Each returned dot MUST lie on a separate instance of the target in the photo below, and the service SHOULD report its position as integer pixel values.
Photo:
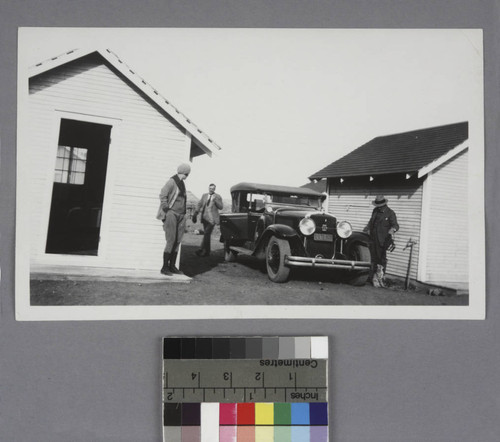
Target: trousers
(208, 228)
(174, 226)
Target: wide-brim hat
(379, 201)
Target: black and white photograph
(250, 173)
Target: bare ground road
(217, 282)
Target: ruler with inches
(245, 389)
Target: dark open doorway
(78, 191)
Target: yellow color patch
(264, 413)
(264, 434)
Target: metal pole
(409, 244)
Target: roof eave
(443, 158)
(205, 142)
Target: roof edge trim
(110, 57)
(442, 159)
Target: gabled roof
(409, 152)
(203, 140)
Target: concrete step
(82, 273)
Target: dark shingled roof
(400, 153)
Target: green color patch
(282, 413)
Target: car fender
(358, 238)
(280, 231)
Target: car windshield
(255, 202)
(300, 200)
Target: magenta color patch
(227, 414)
(227, 434)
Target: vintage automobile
(287, 227)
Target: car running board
(243, 250)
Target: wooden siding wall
(143, 154)
(447, 253)
(353, 203)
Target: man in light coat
(208, 207)
(172, 212)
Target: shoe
(164, 270)
(172, 268)
(380, 275)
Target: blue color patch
(301, 434)
(318, 413)
(300, 413)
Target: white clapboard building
(424, 175)
(102, 142)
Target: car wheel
(276, 251)
(359, 252)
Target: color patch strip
(299, 347)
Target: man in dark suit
(383, 224)
(208, 207)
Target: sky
(284, 103)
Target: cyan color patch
(300, 413)
(301, 434)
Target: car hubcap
(274, 258)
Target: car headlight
(344, 229)
(307, 226)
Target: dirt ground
(244, 282)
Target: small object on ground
(435, 292)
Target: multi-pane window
(70, 165)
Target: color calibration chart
(245, 389)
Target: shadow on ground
(193, 265)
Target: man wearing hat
(172, 212)
(383, 224)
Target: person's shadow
(192, 265)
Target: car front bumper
(325, 263)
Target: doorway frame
(69, 259)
